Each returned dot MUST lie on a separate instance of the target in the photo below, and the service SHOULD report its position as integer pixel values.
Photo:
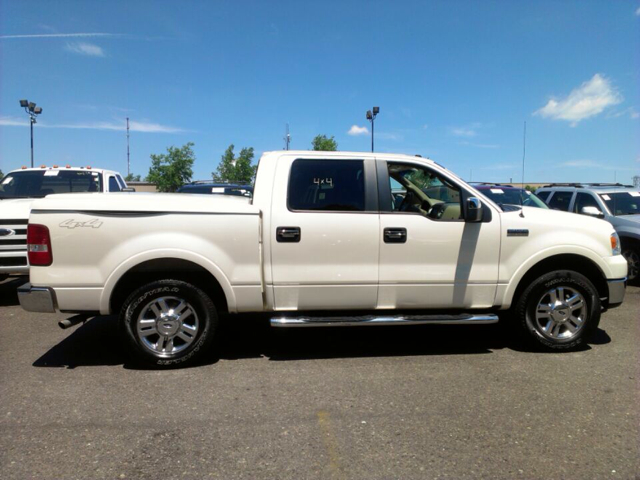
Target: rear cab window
(327, 185)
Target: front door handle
(395, 235)
(288, 234)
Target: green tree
(169, 171)
(132, 178)
(324, 144)
(1, 175)
(234, 169)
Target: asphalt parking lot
(369, 403)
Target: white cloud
(62, 35)
(588, 100)
(88, 49)
(480, 145)
(389, 136)
(580, 163)
(638, 12)
(355, 130)
(463, 132)
(143, 127)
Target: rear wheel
(558, 311)
(169, 322)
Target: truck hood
(16, 208)
(146, 202)
(631, 220)
(560, 220)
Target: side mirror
(128, 189)
(474, 210)
(592, 212)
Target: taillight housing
(39, 245)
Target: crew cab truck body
(20, 188)
(393, 239)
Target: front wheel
(558, 311)
(632, 255)
(168, 322)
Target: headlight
(615, 244)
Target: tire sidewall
(200, 301)
(528, 307)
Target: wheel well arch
(626, 240)
(167, 268)
(567, 261)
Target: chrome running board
(346, 321)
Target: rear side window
(114, 186)
(543, 195)
(560, 201)
(327, 185)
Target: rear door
(560, 200)
(324, 227)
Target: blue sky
(455, 80)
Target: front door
(429, 256)
(324, 229)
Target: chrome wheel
(167, 325)
(633, 260)
(561, 313)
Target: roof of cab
(64, 168)
(340, 155)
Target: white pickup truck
(328, 239)
(20, 188)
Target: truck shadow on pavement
(9, 291)
(98, 343)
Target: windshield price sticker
(634, 194)
(497, 190)
(7, 180)
(606, 197)
(51, 173)
(217, 189)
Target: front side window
(560, 201)
(327, 185)
(416, 189)
(585, 200)
(114, 186)
(622, 203)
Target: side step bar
(345, 321)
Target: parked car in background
(509, 195)
(617, 203)
(323, 242)
(19, 189)
(217, 189)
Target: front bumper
(37, 299)
(617, 289)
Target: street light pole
(33, 111)
(371, 116)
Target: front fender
(521, 271)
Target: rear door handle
(395, 235)
(288, 234)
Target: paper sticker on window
(323, 181)
(51, 173)
(7, 180)
(217, 189)
(497, 190)
(634, 194)
(606, 197)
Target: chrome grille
(16, 239)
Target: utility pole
(128, 161)
(287, 139)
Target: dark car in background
(509, 195)
(217, 189)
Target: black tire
(632, 255)
(171, 292)
(537, 293)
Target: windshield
(37, 184)
(513, 196)
(622, 203)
